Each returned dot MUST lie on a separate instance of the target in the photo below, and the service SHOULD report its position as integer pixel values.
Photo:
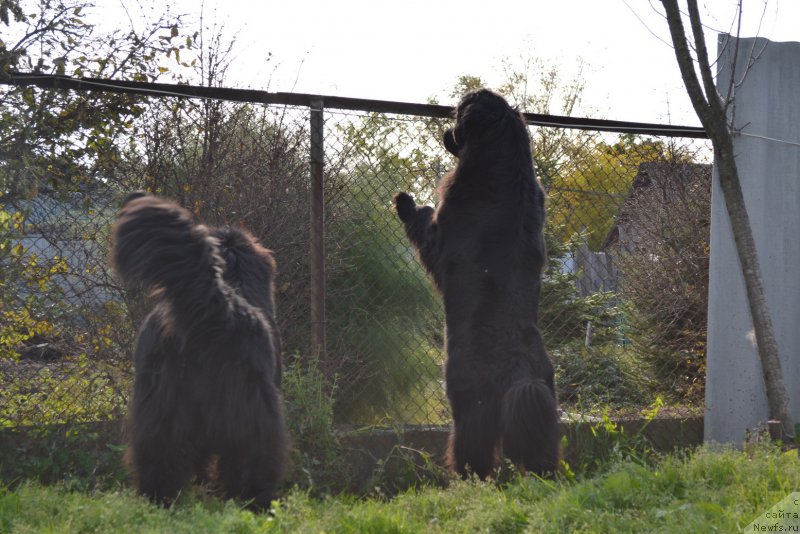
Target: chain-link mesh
(385, 320)
(623, 300)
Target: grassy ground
(710, 490)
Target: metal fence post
(317, 231)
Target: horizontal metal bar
(51, 81)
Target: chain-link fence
(623, 300)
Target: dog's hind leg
(531, 434)
(252, 465)
(158, 452)
(161, 467)
(476, 430)
(252, 475)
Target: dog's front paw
(405, 205)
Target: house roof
(666, 175)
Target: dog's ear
(450, 142)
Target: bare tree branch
(685, 61)
(712, 97)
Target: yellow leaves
(86, 393)
(653, 410)
(18, 326)
(102, 340)
(17, 221)
(587, 195)
(59, 266)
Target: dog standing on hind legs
(484, 247)
(206, 398)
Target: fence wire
(623, 304)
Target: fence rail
(254, 96)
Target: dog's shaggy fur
(484, 248)
(206, 398)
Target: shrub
(316, 452)
(384, 323)
(80, 456)
(665, 261)
(563, 312)
(601, 375)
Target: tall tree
(712, 111)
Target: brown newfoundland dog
(206, 399)
(484, 247)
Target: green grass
(709, 490)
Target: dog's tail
(530, 426)
(158, 245)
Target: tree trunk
(712, 115)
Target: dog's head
(249, 267)
(133, 196)
(482, 114)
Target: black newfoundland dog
(484, 248)
(206, 398)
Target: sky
(415, 49)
